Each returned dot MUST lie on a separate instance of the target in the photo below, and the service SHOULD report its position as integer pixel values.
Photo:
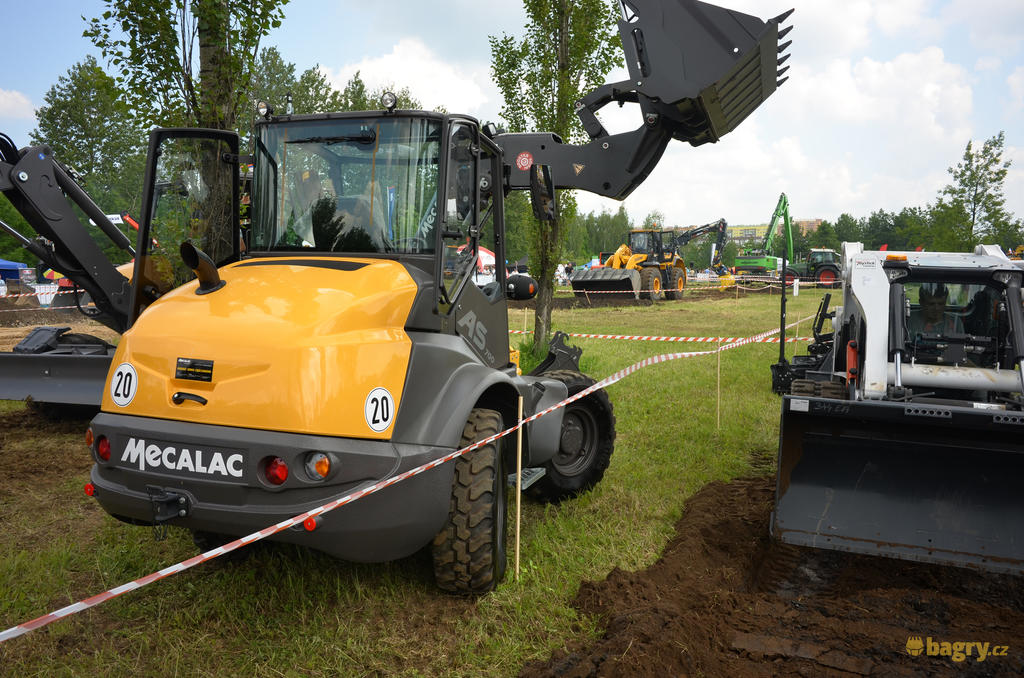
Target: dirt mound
(724, 600)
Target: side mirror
(542, 193)
(521, 287)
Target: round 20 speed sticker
(124, 384)
(379, 409)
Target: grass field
(288, 611)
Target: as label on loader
(798, 405)
(379, 409)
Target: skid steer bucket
(626, 281)
(932, 483)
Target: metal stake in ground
(519, 478)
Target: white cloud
(988, 63)
(14, 104)
(1015, 84)
(463, 87)
(1013, 189)
(991, 26)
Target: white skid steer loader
(902, 432)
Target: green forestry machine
(901, 428)
(820, 265)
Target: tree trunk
(216, 97)
(548, 237)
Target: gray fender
(445, 381)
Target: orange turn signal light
(896, 257)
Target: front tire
(469, 551)
(676, 283)
(586, 442)
(650, 284)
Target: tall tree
(655, 220)
(973, 207)
(569, 48)
(90, 127)
(153, 44)
(849, 229)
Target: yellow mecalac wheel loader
(902, 429)
(347, 342)
(648, 265)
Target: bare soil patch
(724, 600)
(16, 325)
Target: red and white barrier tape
(35, 308)
(709, 340)
(35, 294)
(93, 601)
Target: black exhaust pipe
(204, 268)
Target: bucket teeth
(783, 46)
(782, 17)
(782, 59)
(781, 71)
(778, 83)
(784, 32)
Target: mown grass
(289, 611)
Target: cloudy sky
(883, 95)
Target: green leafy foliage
(567, 50)
(152, 44)
(91, 128)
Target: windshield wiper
(365, 137)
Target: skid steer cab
(901, 434)
(353, 331)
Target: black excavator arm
(695, 69)
(720, 227)
(43, 191)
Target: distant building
(754, 233)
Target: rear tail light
(318, 465)
(276, 471)
(90, 490)
(103, 448)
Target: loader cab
(953, 318)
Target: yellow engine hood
(297, 345)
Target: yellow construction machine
(648, 265)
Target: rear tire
(676, 281)
(469, 551)
(827, 276)
(586, 442)
(650, 284)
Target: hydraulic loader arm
(685, 237)
(40, 188)
(696, 70)
(781, 212)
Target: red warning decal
(524, 161)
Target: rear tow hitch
(166, 505)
